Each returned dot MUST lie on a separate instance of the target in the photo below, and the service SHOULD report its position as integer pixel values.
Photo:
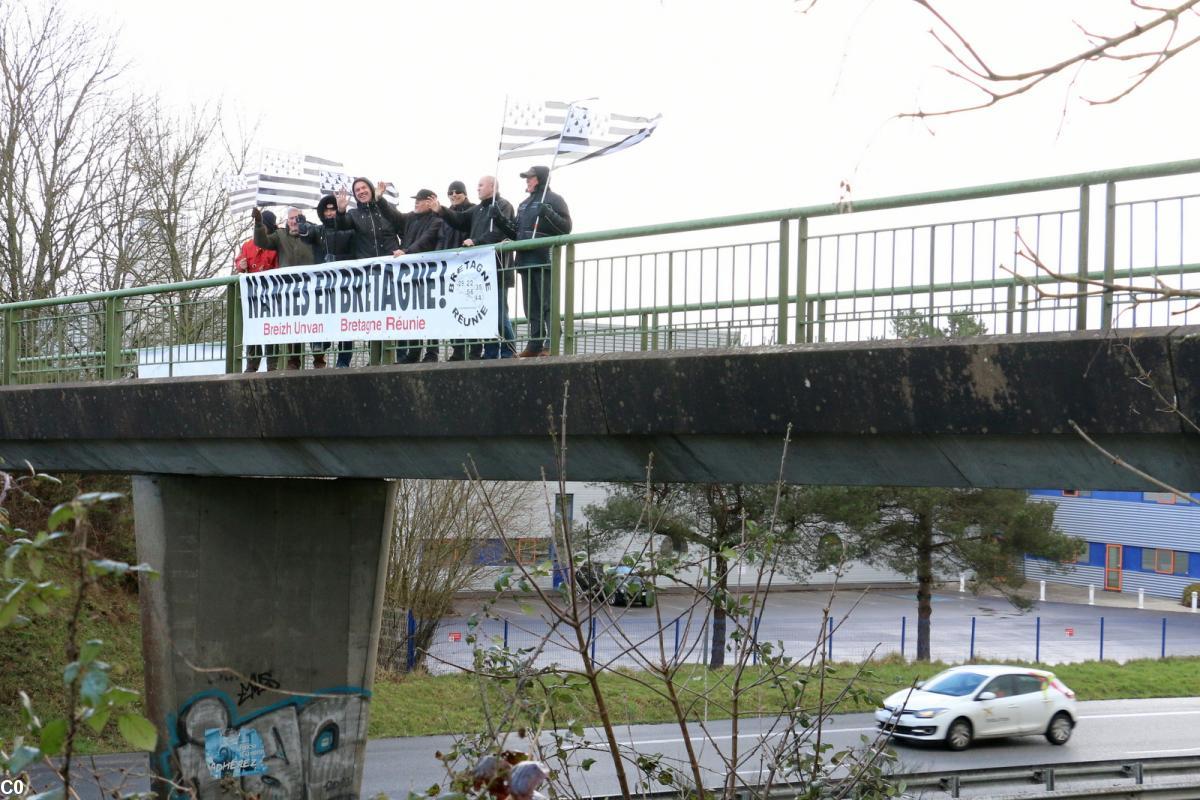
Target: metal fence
(612, 640)
(824, 273)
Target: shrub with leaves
(28, 587)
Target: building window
(1162, 498)
(531, 550)
(1076, 492)
(1165, 562)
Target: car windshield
(955, 684)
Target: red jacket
(253, 258)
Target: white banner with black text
(425, 296)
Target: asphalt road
(1111, 729)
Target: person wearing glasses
(452, 237)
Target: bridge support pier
(260, 636)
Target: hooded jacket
(555, 221)
(377, 226)
(329, 243)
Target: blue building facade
(1135, 540)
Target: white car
(981, 701)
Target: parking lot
(963, 626)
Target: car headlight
(928, 713)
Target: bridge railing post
(1085, 213)
(233, 328)
(556, 304)
(782, 298)
(803, 306)
(569, 302)
(113, 324)
(1110, 253)
(10, 346)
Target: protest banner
(425, 296)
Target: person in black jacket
(542, 213)
(460, 203)
(376, 223)
(422, 232)
(480, 229)
(330, 244)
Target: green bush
(1187, 594)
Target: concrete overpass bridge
(271, 568)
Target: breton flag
(531, 128)
(590, 133)
(289, 179)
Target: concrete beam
(987, 411)
(260, 635)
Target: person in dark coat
(329, 245)
(293, 252)
(542, 213)
(453, 238)
(422, 232)
(376, 223)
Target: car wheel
(958, 736)
(618, 599)
(1059, 729)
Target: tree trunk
(717, 649)
(924, 583)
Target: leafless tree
(1153, 36)
(437, 532)
(59, 118)
(1147, 39)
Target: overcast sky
(763, 106)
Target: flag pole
(554, 160)
(496, 172)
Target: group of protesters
(375, 228)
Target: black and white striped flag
(590, 133)
(289, 179)
(531, 128)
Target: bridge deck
(986, 411)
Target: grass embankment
(420, 705)
(32, 657)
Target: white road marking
(702, 737)
(1145, 714)
(1162, 752)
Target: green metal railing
(818, 273)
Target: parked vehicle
(631, 588)
(620, 585)
(981, 701)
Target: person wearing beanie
(480, 229)
(252, 258)
(452, 238)
(329, 244)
